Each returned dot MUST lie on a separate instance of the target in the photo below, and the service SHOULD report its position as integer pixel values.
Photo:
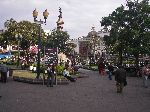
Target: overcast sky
(79, 15)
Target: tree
(58, 39)
(138, 27)
(70, 49)
(129, 28)
(9, 33)
(28, 30)
(116, 40)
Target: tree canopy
(58, 38)
(129, 29)
(25, 29)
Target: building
(92, 46)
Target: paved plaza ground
(93, 94)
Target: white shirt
(66, 73)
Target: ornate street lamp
(19, 38)
(40, 22)
(45, 14)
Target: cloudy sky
(79, 15)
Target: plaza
(93, 94)
(55, 63)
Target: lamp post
(39, 22)
(19, 38)
(93, 39)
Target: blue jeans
(145, 78)
(110, 75)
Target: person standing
(50, 78)
(120, 78)
(3, 70)
(101, 66)
(111, 69)
(145, 74)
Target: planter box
(38, 81)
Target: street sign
(50, 56)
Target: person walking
(111, 69)
(101, 66)
(120, 78)
(145, 74)
(50, 78)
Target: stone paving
(93, 94)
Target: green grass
(23, 73)
(30, 74)
(95, 67)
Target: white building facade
(91, 45)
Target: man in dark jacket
(3, 70)
(120, 78)
(50, 78)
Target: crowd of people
(66, 68)
(121, 73)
